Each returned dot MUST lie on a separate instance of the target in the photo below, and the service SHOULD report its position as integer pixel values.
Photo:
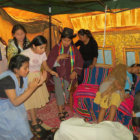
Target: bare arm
(46, 68)
(17, 100)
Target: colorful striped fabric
(96, 75)
(84, 98)
(84, 91)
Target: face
(40, 49)
(136, 70)
(82, 37)
(19, 35)
(66, 41)
(24, 69)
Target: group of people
(25, 70)
(23, 76)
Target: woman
(19, 41)
(88, 50)
(13, 92)
(68, 63)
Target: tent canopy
(69, 6)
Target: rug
(49, 113)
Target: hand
(73, 75)
(54, 73)
(34, 84)
(91, 66)
(43, 78)
(63, 56)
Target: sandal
(36, 128)
(61, 116)
(66, 114)
(39, 121)
(53, 130)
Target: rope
(105, 26)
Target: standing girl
(13, 92)
(88, 49)
(19, 41)
(68, 63)
(37, 55)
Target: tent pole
(50, 30)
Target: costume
(88, 52)
(12, 49)
(3, 61)
(40, 96)
(114, 96)
(13, 119)
(78, 129)
(64, 68)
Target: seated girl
(114, 89)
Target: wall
(119, 40)
(122, 29)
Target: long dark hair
(37, 41)
(83, 32)
(17, 61)
(15, 28)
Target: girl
(114, 89)
(13, 92)
(37, 55)
(19, 41)
(68, 63)
(3, 59)
(88, 50)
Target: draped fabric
(78, 129)
(95, 22)
(84, 103)
(33, 25)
